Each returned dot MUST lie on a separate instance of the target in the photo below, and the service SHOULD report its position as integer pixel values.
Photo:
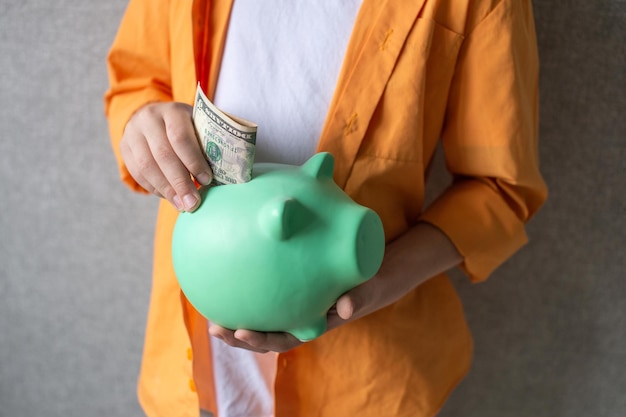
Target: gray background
(75, 245)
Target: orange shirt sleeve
(139, 69)
(490, 141)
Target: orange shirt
(415, 72)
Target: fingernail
(190, 201)
(204, 178)
(178, 203)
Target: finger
(134, 172)
(333, 321)
(360, 300)
(182, 137)
(148, 171)
(346, 306)
(228, 336)
(133, 168)
(270, 341)
(178, 186)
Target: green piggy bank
(275, 253)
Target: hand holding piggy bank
(275, 253)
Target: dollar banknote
(228, 142)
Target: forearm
(418, 255)
(421, 253)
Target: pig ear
(319, 166)
(283, 217)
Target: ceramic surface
(274, 254)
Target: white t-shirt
(279, 69)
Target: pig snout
(360, 246)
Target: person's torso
(383, 123)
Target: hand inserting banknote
(228, 142)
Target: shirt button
(192, 385)
(189, 354)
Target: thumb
(348, 304)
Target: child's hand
(160, 150)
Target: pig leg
(310, 332)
